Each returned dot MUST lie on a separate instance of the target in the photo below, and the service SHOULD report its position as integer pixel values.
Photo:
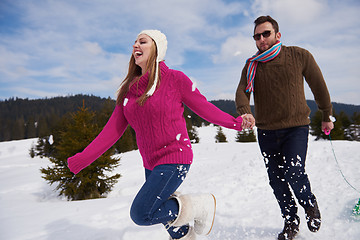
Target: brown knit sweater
(279, 96)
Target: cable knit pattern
(279, 90)
(159, 124)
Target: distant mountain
(229, 107)
(24, 118)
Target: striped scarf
(266, 56)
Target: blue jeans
(284, 153)
(152, 204)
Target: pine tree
(18, 129)
(355, 118)
(246, 135)
(193, 134)
(191, 129)
(30, 130)
(338, 131)
(43, 128)
(336, 134)
(316, 126)
(220, 136)
(127, 142)
(42, 149)
(344, 120)
(32, 151)
(75, 133)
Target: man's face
(263, 40)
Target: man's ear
(278, 36)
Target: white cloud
(93, 48)
(290, 11)
(235, 49)
(89, 43)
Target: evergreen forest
(27, 118)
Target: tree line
(24, 118)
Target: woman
(151, 99)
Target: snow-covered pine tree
(193, 134)
(220, 136)
(43, 148)
(75, 133)
(352, 133)
(354, 129)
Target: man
(276, 75)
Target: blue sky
(54, 48)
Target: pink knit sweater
(159, 124)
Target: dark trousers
(284, 153)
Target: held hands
(248, 121)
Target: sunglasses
(265, 34)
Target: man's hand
(248, 121)
(326, 127)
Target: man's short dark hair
(263, 19)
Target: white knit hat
(161, 45)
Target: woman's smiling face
(142, 49)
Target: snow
(193, 88)
(234, 172)
(125, 101)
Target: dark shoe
(291, 228)
(313, 218)
(191, 235)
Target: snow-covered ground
(234, 172)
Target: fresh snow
(233, 172)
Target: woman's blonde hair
(134, 72)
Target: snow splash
(125, 101)
(193, 86)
